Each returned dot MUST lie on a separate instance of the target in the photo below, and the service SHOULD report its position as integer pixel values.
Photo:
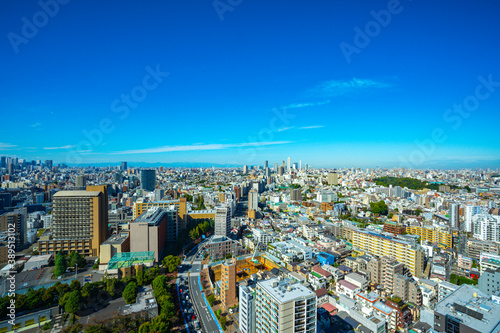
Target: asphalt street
(208, 322)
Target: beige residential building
(79, 223)
(412, 255)
(228, 283)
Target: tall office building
(253, 200)
(284, 307)
(245, 169)
(148, 179)
(123, 166)
(48, 164)
(5, 200)
(152, 229)
(80, 182)
(222, 221)
(469, 212)
(295, 195)
(333, 178)
(3, 163)
(228, 283)
(10, 169)
(159, 193)
(265, 164)
(289, 165)
(275, 168)
(281, 171)
(454, 215)
(79, 222)
(16, 221)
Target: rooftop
(284, 291)
(472, 307)
(77, 194)
(116, 239)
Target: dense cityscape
(249, 166)
(276, 247)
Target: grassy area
(459, 280)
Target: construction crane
(255, 252)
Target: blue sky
(267, 81)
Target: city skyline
(200, 84)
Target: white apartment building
(486, 227)
(282, 307)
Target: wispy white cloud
(311, 127)
(214, 146)
(339, 87)
(62, 147)
(36, 125)
(303, 105)
(285, 128)
(5, 146)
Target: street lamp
(76, 271)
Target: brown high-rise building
(228, 283)
(16, 221)
(79, 223)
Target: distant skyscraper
(275, 167)
(222, 221)
(295, 166)
(10, 169)
(454, 215)
(245, 169)
(289, 165)
(80, 182)
(295, 195)
(148, 179)
(253, 200)
(17, 219)
(265, 164)
(159, 193)
(267, 172)
(3, 164)
(281, 170)
(48, 164)
(333, 178)
(123, 166)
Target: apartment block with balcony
(411, 255)
(79, 223)
(281, 306)
(437, 235)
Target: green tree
(130, 293)
(211, 299)
(76, 258)
(73, 303)
(90, 290)
(61, 264)
(159, 286)
(223, 322)
(75, 285)
(159, 324)
(63, 299)
(418, 211)
(111, 286)
(167, 307)
(139, 276)
(171, 263)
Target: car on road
(194, 317)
